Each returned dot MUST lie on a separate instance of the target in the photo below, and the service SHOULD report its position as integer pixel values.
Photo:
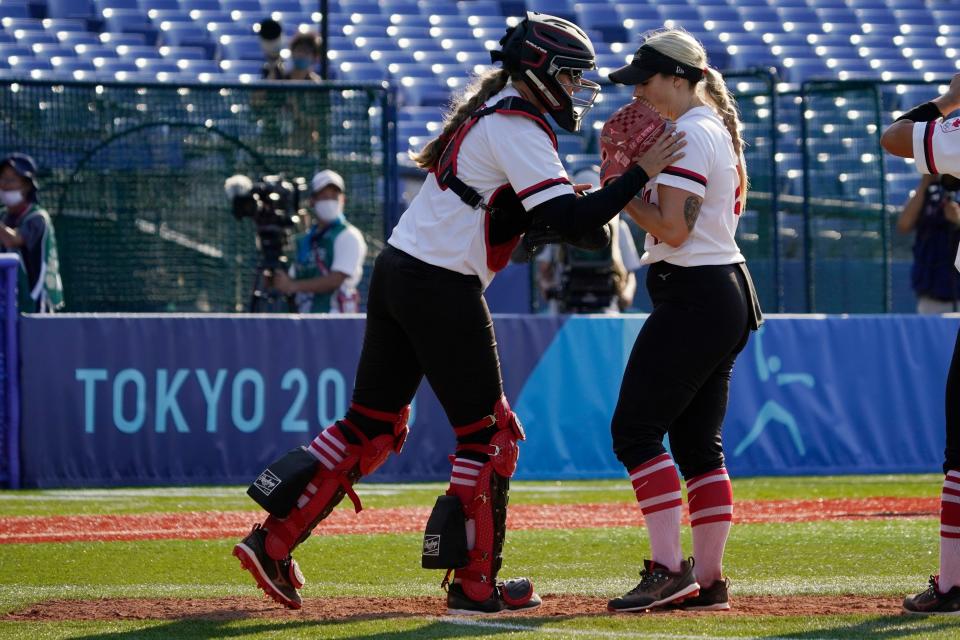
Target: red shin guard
(335, 478)
(485, 503)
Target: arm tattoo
(691, 211)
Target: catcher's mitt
(628, 133)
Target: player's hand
(282, 283)
(664, 152)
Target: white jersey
(936, 149)
(349, 252)
(440, 229)
(708, 170)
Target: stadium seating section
(428, 48)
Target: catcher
(494, 173)
(677, 378)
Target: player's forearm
(662, 225)
(574, 216)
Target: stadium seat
(14, 10)
(240, 48)
(252, 6)
(81, 9)
(183, 53)
(202, 5)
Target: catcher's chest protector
(505, 218)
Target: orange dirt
(231, 524)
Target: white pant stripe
(464, 482)
(468, 461)
(696, 484)
(651, 469)
(953, 474)
(712, 511)
(946, 528)
(663, 497)
(947, 497)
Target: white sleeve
(936, 146)
(349, 250)
(691, 171)
(526, 155)
(628, 248)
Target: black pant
(952, 452)
(678, 376)
(426, 320)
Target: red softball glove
(627, 134)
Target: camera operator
(935, 215)
(578, 281)
(304, 53)
(328, 264)
(271, 43)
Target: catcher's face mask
(648, 62)
(582, 92)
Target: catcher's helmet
(540, 48)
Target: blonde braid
(726, 106)
(482, 87)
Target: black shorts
(678, 376)
(426, 320)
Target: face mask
(327, 210)
(11, 198)
(301, 64)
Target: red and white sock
(950, 532)
(463, 483)
(329, 448)
(710, 500)
(657, 487)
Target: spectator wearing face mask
(304, 56)
(26, 229)
(328, 264)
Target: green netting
(133, 177)
(757, 232)
(846, 234)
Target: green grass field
(874, 557)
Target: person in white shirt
(328, 264)
(677, 378)
(494, 174)
(925, 134)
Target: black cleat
(658, 587)
(279, 579)
(512, 595)
(712, 598)
(933, 602)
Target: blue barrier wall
(126, 400)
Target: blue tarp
(132, 400)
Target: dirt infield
(345, 609)
(230, 524)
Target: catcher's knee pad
(342, 454)
(485, 503)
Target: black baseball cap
(648, 62)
